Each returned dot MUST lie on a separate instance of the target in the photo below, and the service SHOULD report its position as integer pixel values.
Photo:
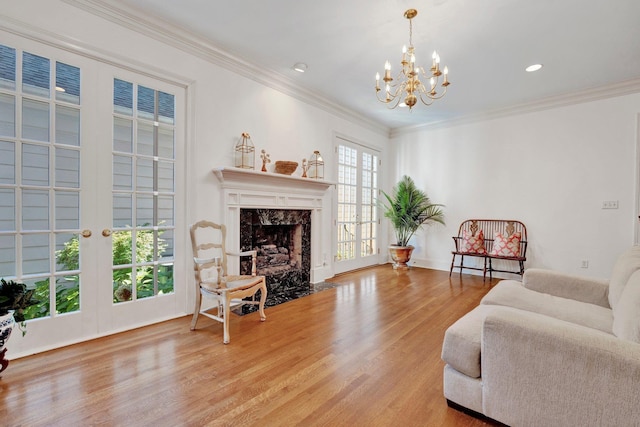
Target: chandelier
(409, 85)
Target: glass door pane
(356, 208)
(143, 192)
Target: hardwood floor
(366, 353)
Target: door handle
(106, 232)
(86, 233)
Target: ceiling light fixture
(409, 77)
(300, 67)
(532, 68)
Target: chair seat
(231, 283)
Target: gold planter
(400, 256)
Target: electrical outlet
(584, 264)
(610, 204)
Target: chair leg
(461, 264)
(226, 308)
(263, 299)
(196, 311)
(452, 262)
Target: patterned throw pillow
(506, 246)
(473, 244)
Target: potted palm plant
(14, 298)
(408, 208)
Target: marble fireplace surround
(250, 189)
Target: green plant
(408, 209)
(15, 297)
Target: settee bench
(491, 239)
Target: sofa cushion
(626, 315)
(625, 266)
(461, 346)
(512, 294)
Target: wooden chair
(213, 280)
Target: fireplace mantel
(237, 178)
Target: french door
(88, 170)
(356, 214)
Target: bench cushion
(506, 246)
(471, 244)
(511, 293)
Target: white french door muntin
(97, 314)
(356, 214)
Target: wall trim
(627, 87)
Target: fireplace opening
(282, 240)
(279, 247)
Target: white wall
(551, 169)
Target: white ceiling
(585, 45)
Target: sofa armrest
(539, 368)
(592, 291)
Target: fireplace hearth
(282, 240)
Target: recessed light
(532, 68)
(300, 67)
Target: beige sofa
(552, 350)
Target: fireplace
(282, 240)
(248, 190)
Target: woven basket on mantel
(285, 167)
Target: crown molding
(186, 41)
(614, 90)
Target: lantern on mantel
(245, 152)
(316, 166)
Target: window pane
(165, 279)
(165, 244)
(122, 285)
(68, 293)
(122, 173)
(165, 211)
(7, 115)
(165, 177)
(144, 175)
(122, 135)
(166, 108)
(67, 210)
(146, 103)
(43, 308)
(67, 168)
(122, 97)
(67, 126)
(145, 139)
(35, 253)
(67, 252)
(121, 242)
(67, 83)
(144, 210)
(165, 143)
(122, 211)
(35, 120)
(7, 67)
(35, 210)
(35, 165)
(7, 256)
(7, 209)
(35, 74)
(7, 162)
